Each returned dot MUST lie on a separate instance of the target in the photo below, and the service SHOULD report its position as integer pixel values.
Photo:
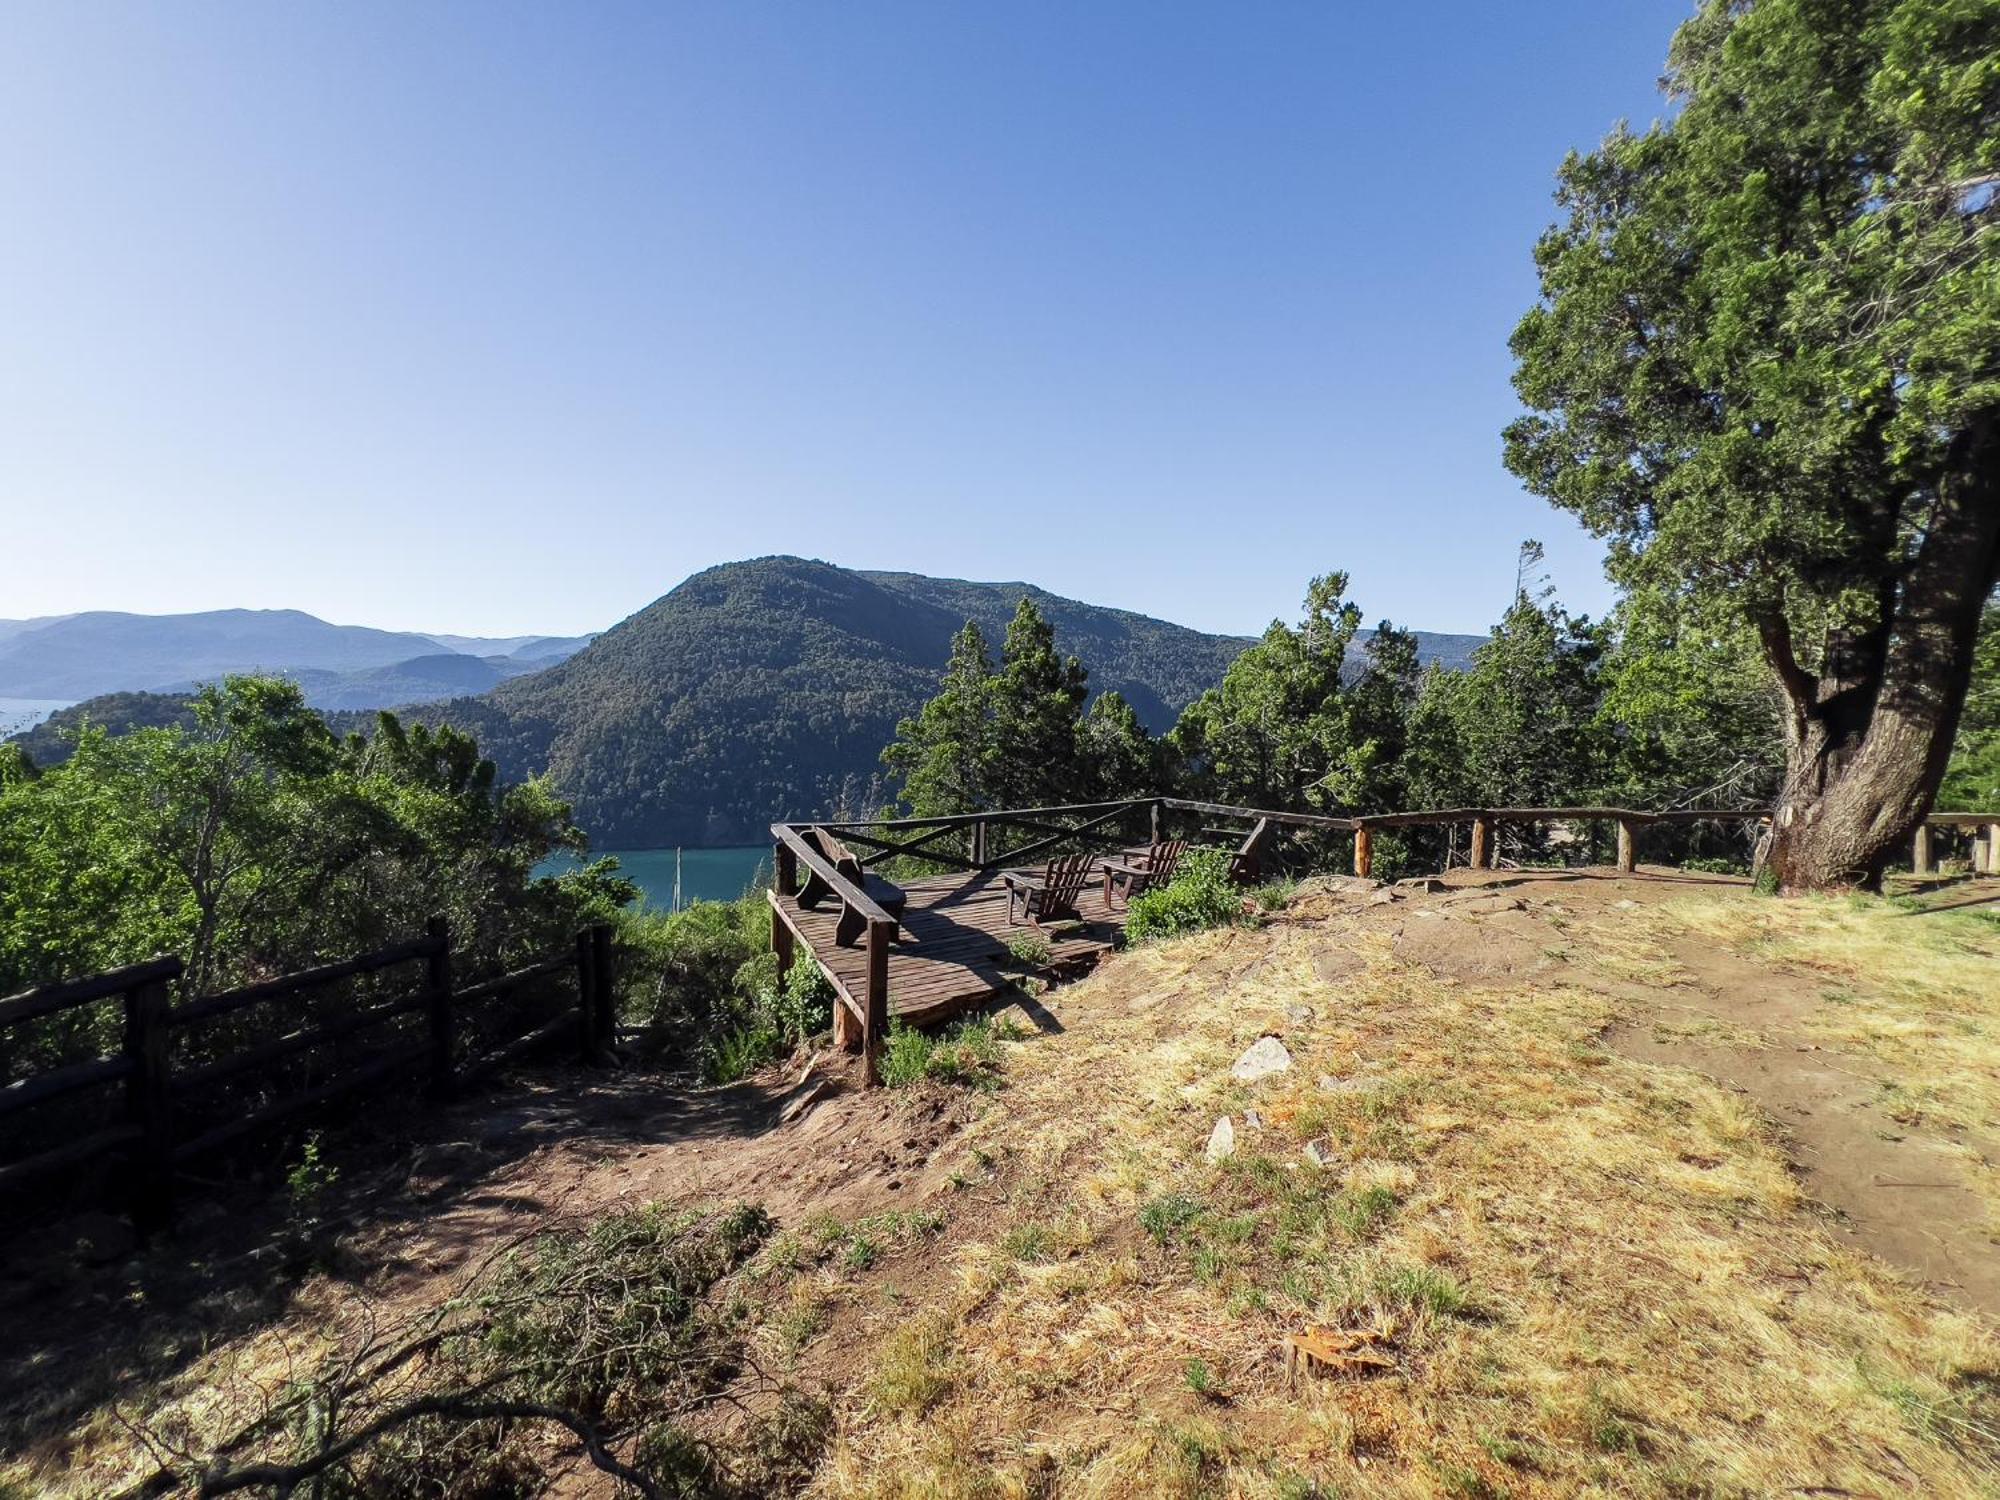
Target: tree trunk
(1869, 736)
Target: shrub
(967, 1052)
(1200, 895)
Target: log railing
(142, 1132)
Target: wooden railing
(863, 1018)
(142, 1131)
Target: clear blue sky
(497, 318)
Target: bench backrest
(1064, 879)
(1163, 860)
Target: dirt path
(1906, 1192)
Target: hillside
(753, 691)
(1637, 1187)
(766, 689)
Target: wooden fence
(141, 1129)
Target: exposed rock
(1299, 1015)
(1316, 1152)
(1423, 883)
(1221, 1140)
(1489, 905)
(1252, 1119)
(1263, 1057)
(1384, 896)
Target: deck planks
(953, 940)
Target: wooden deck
(952, 955)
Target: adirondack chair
(1126, 878)
(884, 893)
(1050, 895)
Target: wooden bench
(884, 893)
(1126, 878)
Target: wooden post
(875, 1029)
(978, 855)
(1920, 850)
(1482, 842)
(1157, 809)
(443, 1024)
(149, 1106)
(1363, 850)
(586, 989)
(785, 883)
(603, 997)
(1993, 848)
(1628, 847)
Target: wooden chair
(884, 893)
(1050, 896)
(1126, 878)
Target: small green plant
(1423, 1289)
(1275, 895)
(1029, 949)
(1200, 895)
(310, 1178)
(1168, 1216)
(1026, 1242)
(1200, 1378)
(967, 1052)
(1361, 1213)
(861, 1254)
(741, 1051)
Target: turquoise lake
(706, 874)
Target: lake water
(706, 874)
(17, 714)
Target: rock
(1263, 1057)
(1299, 1015)
(1384, 896)
(1252, 1119)
(1221, 1140)
(1422, 883)
(1328, 1084)
(1486, 906)
(1316, 1153)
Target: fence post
(149, 1105)
(1363, 850)
(979, 843)
(586, 989)
(437, 979)
(1993, 848)
(1628, 846)
(1157, 809)
(1920, 851)
(603, 998)
(784, 884)
(1482, 842)
(875, 1029)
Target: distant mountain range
(341, 666)
(754, 691)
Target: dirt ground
(432, 1192)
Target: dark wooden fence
(139, 1131)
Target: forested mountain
(106, 651)
(758, 690)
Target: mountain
(766, 690)
(545, 649)
(104, 651)
(754, 691)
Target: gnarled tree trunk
(1870, 734)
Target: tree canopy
(1764, 367)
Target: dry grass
(1918, 991)
(1591, 1275)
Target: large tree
(1766, 366)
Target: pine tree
(1038, 703)
(944, 756)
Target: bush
(1201, 895)
(967, 1052)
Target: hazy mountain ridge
(108, 651)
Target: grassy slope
(1589, 1275)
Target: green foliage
(966, 1052)
(310, 1178)
(1029, 949)
(1201, 894)
(250, 841)
(1972, 782)
(1168, 1216)
(1761, 368)
(1018, 737)
(1291, 727)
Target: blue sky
(496, 318)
